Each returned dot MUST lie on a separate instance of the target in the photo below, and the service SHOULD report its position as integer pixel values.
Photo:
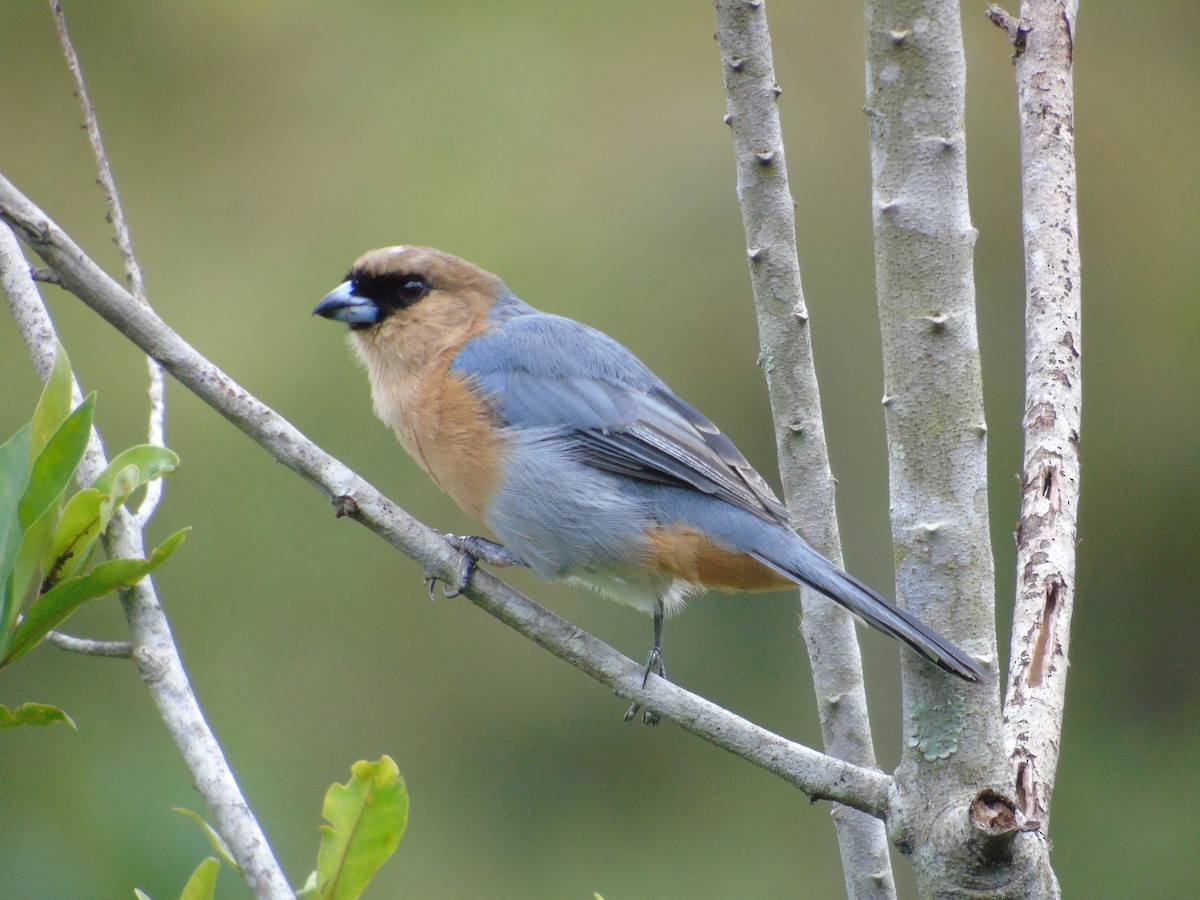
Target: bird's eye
(390, 292)
(412, 288)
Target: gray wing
(549, 372)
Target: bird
(582, 462)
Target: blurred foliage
(367, 816)
(576, 149)
(201, 886)
(214, 838)
(47, 541)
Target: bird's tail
(804, 564)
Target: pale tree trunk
(952, 810)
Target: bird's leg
(475, 550)
(654, 663)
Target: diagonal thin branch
(1047, 529)
(154, 649)
(133, 271)
(769, 218)
(818, 775)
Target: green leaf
(203, 883)
(34, 714)
(14, 476)
(79, 527)
(49, 477)
(27, 574)
(64, 598)
(149, 462)
(139, 894)
(56, 463)
(218, 842)
(124, 483)
(54, 404)
(367, 816)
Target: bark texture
(768, 216)
(1046, 534)
(952, 810)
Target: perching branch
(133, 272)
(1046, 533)
(154, 649)
(769, 219)
(817, 775)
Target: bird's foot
(474, 550)
(654, 663)
(484, 550)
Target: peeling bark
(1047, 532)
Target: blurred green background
(576, 149)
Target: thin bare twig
(156, 435)
(1047, 528)
(90, 646)
(818, 775)
(1017, 29)
(769, 220)
(154, 649)
(133, 271)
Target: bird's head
(396, 287)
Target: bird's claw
(654, 663)
(474, 550)
(649, 717)
(462, 581)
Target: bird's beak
(344, 305)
